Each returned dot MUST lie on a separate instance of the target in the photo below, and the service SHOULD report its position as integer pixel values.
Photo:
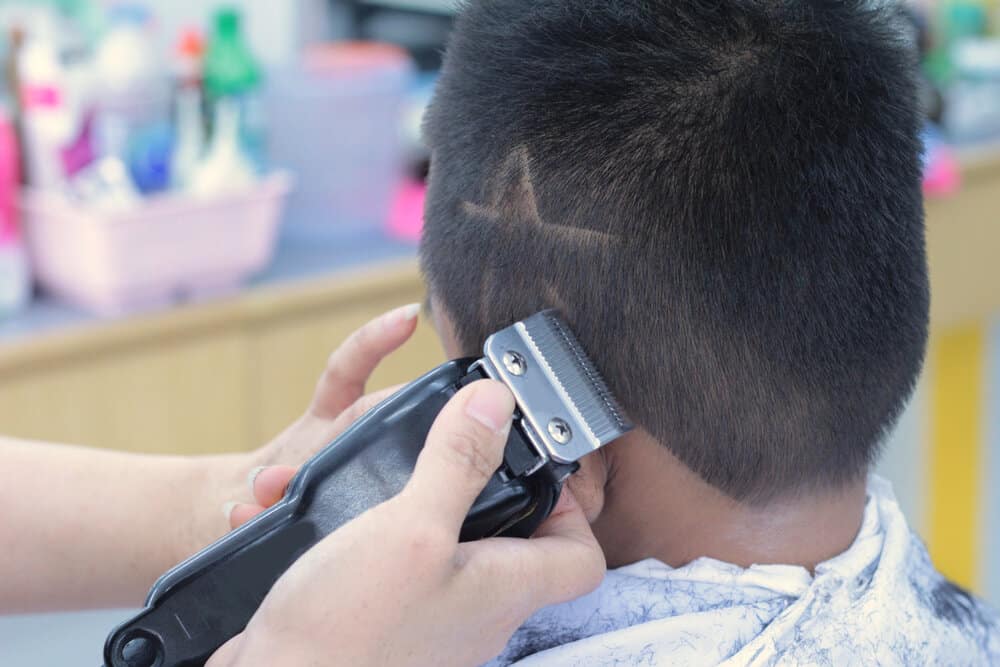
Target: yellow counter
(220, 376)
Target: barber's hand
(337, 403)
(395, 587)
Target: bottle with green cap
(230, 68)
(231, 71)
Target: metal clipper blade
(562, 396)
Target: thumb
(463, 449)
(560, 562)
(574, 558)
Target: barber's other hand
(338, 401)
(395, 587)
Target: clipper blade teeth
(576, 373)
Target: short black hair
(723, 198)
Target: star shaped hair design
(511, 200)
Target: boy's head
(722, 198)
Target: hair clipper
(564, 411)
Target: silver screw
(560, 431)
(515, 363)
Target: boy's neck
(656, 507)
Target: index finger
(353, 362)
(463, 449)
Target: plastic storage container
(171, 248)
(335, 121)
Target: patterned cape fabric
(880, 602)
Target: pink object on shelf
(34, 97)
(9, 181)
(406, 218)
(80, 152)
(170, 247)
(352, 58)
(942, 175)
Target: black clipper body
(564, 411)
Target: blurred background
(200, 200)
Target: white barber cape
(880, 602)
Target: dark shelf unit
(420, 26)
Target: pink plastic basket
(173, 247)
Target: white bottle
(131, 77)
(190, 138)
(225, 167)
(50, 119)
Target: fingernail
(492, 405)
(252, 477)
(228, 508)
(402, 314)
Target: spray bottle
(231, 71)
(187, 108)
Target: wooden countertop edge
(267, 302)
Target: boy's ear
(442, 323)
(587, 484)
